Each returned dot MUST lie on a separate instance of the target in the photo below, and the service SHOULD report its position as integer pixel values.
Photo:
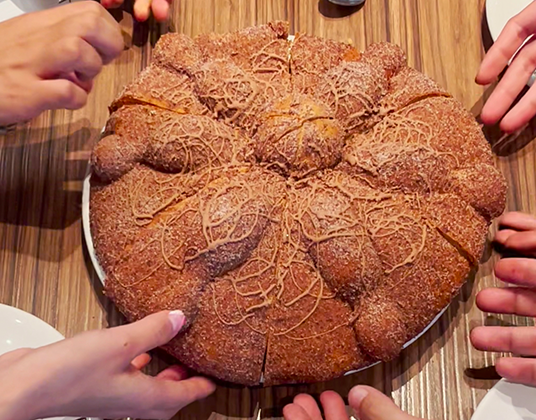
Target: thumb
(370, 404)
(152, 331)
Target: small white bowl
(19, 329)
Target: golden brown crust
(455, 130)
(299, 135)
(234, 95)
(178, 52)
(231, 351)
(327, 212)
(353, 90)
(310, 337)
(261, 51)
(409, 86)
(312, 57)
(310, 213)
(482, 186)
(411, 297)
(388, 57)
(166, 140)
(164, 88)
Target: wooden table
(44, 268)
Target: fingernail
(356, 396)
(177, 319)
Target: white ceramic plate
(499, 12)
(20, 329)
(13, 8)
(100, 272)
(507, 401)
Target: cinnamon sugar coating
(312, 57)
(310, 208)
(299, 135)
(164, 88)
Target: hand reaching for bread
(50, 58)
(518, 236)
(97, 373)
(518, 29)
(367, 403)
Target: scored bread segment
(309, 207)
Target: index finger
(514, 34)
(519, 271)
(100, 33)
(518, 221)
(334, 407)
(129, 341)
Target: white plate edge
(53, 331)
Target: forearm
(15, 404)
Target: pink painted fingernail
(177, 319)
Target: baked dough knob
(299, 135)
(232, 94)
(166, 140)
(389, 57)
(260, 50)
(411, 168)
(353, 90)
(222, 342)
(413, 294)
(164, 88)
(332, 228)
(176, 51)
(311, 337)
(184, 143)
(234, 211)
(482, 186)
(122, 143)
(312, 57)
(409, 86)
(447, 127)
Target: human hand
(519, 236)
(50, 58)
(143, 8)
(518, 29)
(368, 404)
(97, 374)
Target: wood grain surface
(44, 267)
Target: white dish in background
(13, 8)
(19, 329)
(507, 401)
(499, 12)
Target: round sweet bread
(309, 207)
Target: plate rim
(55, 334)
(490, 10)
(480, 412)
